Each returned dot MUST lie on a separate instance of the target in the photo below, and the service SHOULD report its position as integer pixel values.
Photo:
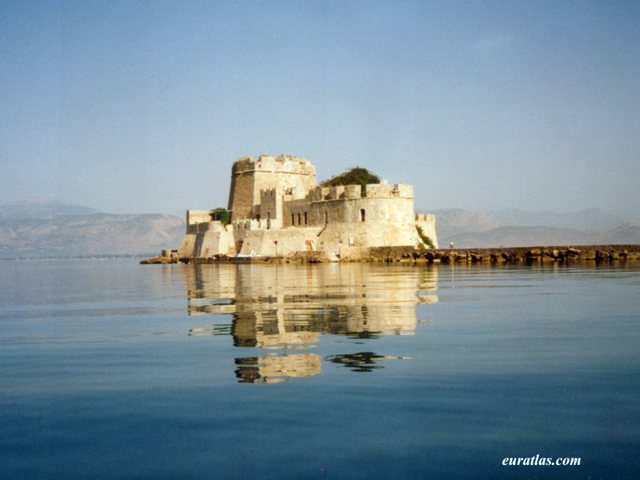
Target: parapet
(198, 216)
(352, 192)
(383, 190)
(269, 163)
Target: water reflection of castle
(288, 307)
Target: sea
(114, 370)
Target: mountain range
(49, 228)
(521, 228)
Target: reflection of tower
(289, 307)
(267, 329)
(333, 298)
(277, 368)
(263, 317)
(210, 289)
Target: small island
(276, 210)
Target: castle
(277, 210)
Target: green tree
(355, 176)
(220, 215)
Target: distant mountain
(55, 229)
(38, 207)
(514, 228)
(454, 221)
(628, 233)
(591, 219)
(522, 237)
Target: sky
(141, 107)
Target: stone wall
(283, 242)
(339, 227)
(345, 204)
(207, 240)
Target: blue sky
(143, 106)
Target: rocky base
(158, 260)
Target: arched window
(305, 218)
(299, 219)
(362, 214)
(293, 219)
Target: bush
(220, 215)
(425, 238)
(355, 176)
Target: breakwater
(529, 255)
(503, 255)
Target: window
(305, 218)
(299, 219)
(326, 217)
(362, 214)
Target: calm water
(115, 370)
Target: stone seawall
(540, 254)
(527, 255)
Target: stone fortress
(278, 210)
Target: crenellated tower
(291, 176)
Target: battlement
(250, 224)
(425, 217)
(272, 164)
(339, 192)
(269, 194)
(353, 192)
